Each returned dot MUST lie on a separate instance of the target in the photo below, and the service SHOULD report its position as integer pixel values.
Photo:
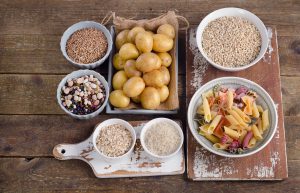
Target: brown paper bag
(172, 103)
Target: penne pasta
(237, 128)
(242, 136)
(213, 114)
(248, 102)
(265, 120)
(232, 120)
(252, 142)
(212, 138)
(231, 133)
(238, 118)
(260, 109)
(245, 117)
(256, 133)
(204, 128)
(201, 132)
(229, 99)
(214, 124)
(255, 112)
(220, 146)
(208, 94)
(200, 110)
(259, 126)
(206, 109)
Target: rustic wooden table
(31, 122)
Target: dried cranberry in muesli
(83, 95)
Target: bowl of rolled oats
(86, 44)
(83, 94)
(114, 139)
(232, 39)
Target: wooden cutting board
(139, 163)
(268, 164)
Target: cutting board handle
(66, 151)
(73, 151)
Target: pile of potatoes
(142, 62)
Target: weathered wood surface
(29, 45)
(138, 164)
(269, 163)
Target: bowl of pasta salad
(232, 117)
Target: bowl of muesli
(83, 94)
(232, 39)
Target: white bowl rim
(117, 121)
(232, 69)
(98, 62)
(82, 72)
(154, 121)
(272, 130)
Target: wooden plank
(271, 165)
(290, 94)
(59, 14)
(39, 18)
(36, 135)
(51, 175)
(41, 54)
(36, 94)
(289, 55)
(27, 94)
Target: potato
(144, 42)
(130, 69)
(150, 98)
(167, 30)
(118, 99)
(121, 38)
(119, 80)
(134, 86)
(154, 78)
(163, 93)
(162, 43)
(166, 59)
(147, 62)
(118, 62)
(136, 99)
(128, 51)
(133, 32)
(166, 75)
(150, 32)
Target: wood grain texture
(51, 175)
(36, 135)
(29, 38)
(36, 94)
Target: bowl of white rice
(232, 39)
(161, 138)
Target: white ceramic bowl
(77, 74)
(80, 25)
(155, 121)
(111, 122)
(264, 100)
(237, 12)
